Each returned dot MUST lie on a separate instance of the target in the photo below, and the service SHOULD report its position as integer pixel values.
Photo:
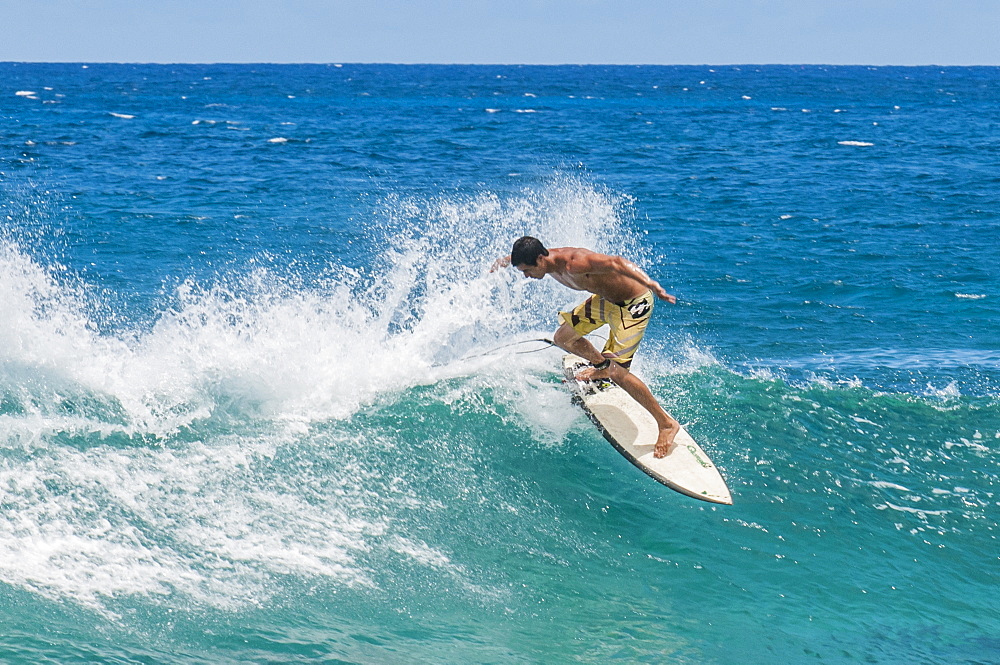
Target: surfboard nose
(633, 432)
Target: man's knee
(565, 335)
(618, 372)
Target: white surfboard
(632, 431)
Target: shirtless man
(623, 299)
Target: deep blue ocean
(253, 410)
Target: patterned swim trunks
(627, 321)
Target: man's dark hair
(526, 251)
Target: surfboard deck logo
(632, 431)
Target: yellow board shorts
(627, 321)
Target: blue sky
(879, 32)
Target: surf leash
(540, 340)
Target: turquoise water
(245, 414)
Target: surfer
(622, 298)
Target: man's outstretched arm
(502, 262)
(592, 262)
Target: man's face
(534, 272)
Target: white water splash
(120, 477)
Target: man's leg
(569, 340)
(641, 393)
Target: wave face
(262, 400)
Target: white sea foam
(861, 144)
(278, 139)
(262, 331)
(948, 392)
(881, 484)
(130, 482)
(124, 116)
(25, 93)
(971, 296)
(965, 443)
(916, 511)
(90, 525)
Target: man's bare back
(612, 277)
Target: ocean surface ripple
(258, 403)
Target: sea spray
(180, 464)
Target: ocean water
(252, 406)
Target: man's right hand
(502, 262)
(663, 295)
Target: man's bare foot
(593, 374)
(665, 440)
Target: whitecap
(971, 296)
(278, 139)
(885, 485)
(907, 509)
(965, 443)
(950, 391)
(25, 93)
(862, 144)
(124, 116)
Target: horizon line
(342, 63)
